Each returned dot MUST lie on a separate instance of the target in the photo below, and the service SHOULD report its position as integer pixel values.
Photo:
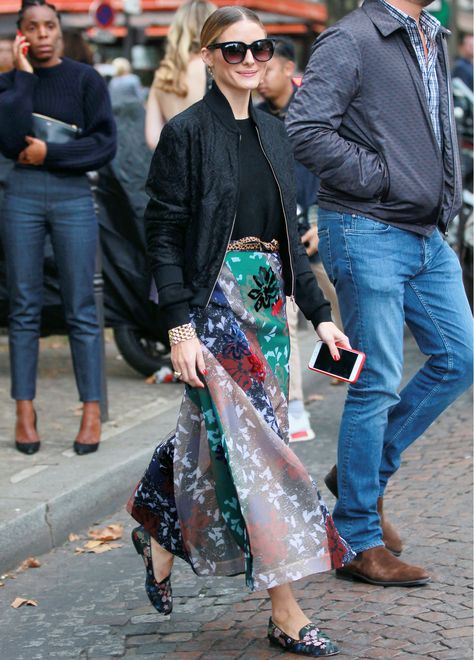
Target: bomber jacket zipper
(284, 214)
(231, 229)
(450, 114)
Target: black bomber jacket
(193, 186)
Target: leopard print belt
(253, 244)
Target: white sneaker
(300, 428)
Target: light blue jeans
(384, 277)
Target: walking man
(374, 120)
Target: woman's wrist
(181, 333)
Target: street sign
(102, 13)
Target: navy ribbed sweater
(71, 92)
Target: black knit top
(259, 211)
(71, 92)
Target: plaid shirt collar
(429, 24)
(430, 27)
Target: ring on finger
(177, 374)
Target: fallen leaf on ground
(314, 397)
(100, 539)
(110, 533)
(18, 602)
(73, 537)
(2, 584)
(31, 562)
(98, 548)
(90, 545)
(150, 380)
(7, 576)
(103, 547)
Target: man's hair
(284, 48)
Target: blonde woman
(181, 77)
(225, 492)
(125, 86)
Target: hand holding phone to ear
(20, 51)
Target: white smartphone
(347, 368)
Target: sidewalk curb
(87, 498)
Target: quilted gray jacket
(361, 122)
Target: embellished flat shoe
(312, 641)
(159, 593)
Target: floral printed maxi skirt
(225, 492)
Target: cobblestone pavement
(94, 606)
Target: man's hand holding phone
(20, 51)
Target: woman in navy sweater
(48, 191)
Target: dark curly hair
(26, 4)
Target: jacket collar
(218, 103)
(383, 20)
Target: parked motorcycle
(463, 241)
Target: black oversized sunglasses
(234, 52)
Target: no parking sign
(102, 13)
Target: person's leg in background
(74, 234)
(23, 234)
(328, 290)
(330, 294)
(300, 427)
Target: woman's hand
(20, 48)
(187, 359)
(331, 335)
(34, 153)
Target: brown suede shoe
(378, 566)
(390, 536)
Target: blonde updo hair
(182, 40)
(223, 18)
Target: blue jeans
(37, 202)
(384, 277)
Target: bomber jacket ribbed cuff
(322, 315)
(176, 315)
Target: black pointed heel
(159, 593)
(27, 447)
(81, 448)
